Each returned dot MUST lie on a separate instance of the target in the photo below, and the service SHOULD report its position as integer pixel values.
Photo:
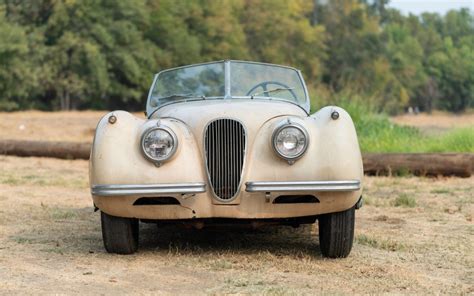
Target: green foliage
(405, 55)
(97, 50)
(377, 134)
(453, 68)
(13, 70)
(103, 54)
(278, 31)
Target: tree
(14, 76)
(97, 51)
(66, 54)
(280, 32)
(453, 70)
(406, 59)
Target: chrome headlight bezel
(279, 129)
(159, 160)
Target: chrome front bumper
(148, 190)
(192, 188)
(321, 186)
(255, 202)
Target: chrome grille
(225, 150)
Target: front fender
(116, 156)
(338, 152)
(333, 154)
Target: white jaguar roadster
(227, 142)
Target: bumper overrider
(193, 188)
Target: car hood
(251, 113)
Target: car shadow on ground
(77, 231)
(276, 240)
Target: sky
(439, 6)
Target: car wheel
(336, 233)
(120, 235)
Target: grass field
(414, 235)
(440, 132)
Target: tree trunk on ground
(433, 164)
(457, 164)
(65, 150)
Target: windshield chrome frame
(227, 86)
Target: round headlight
(159, 144)
(290, 141)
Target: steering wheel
(264, 85)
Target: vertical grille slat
(225, 149)
(232, 152)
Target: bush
(8, 106)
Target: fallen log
(431, 164)
(424, 164)
(64, 150)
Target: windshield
(266, 81)
(245, 80)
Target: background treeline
(65, 54)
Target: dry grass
(437, 122)
(50, 243)
(77, 126)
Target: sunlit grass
(377, 134)
(393, 138)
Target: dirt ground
(414, 235)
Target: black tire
(120, 235)
(336, 233)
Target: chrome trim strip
(227, 94)
(307, 106)
(323, 186)
(148, 189)
(223, 61)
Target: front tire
(120, 235)
(336, 233)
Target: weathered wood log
(64, 150)
(432, 164)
